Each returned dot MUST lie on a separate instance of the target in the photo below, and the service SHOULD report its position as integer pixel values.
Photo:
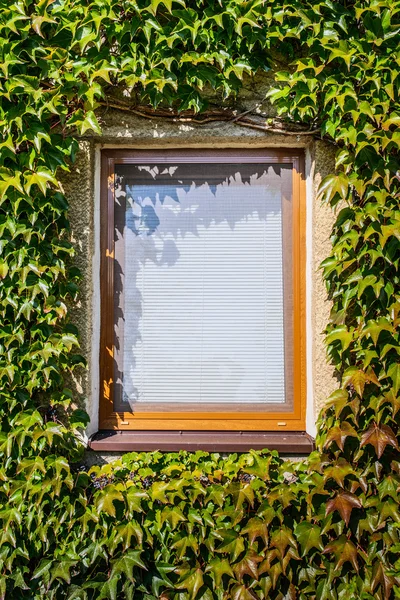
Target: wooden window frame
(292, 420)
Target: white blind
(202, 285)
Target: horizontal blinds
(202, 285)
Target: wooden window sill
(289, 442)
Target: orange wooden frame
(292, 420)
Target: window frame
(292, 420)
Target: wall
(122, 129)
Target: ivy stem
(242, 120)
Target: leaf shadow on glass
(157, 205)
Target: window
(202, 290)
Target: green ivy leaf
(309, 536)
(191, 581)
(61, 570)
(109, 590)
(106, 498)
(218, 568)
(394, 374)
(42, 178)
(43, 567)
(125, 565)
(332, 185)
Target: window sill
(289, 442)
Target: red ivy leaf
(248, 565)
(344, 503)
(380, 577)
(339, 433)
(379, 436)
(344, 551)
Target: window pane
(199, 273)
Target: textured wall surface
(323, 218)
(79, 189)
(122, 129)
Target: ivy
(191, 526)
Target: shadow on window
(157, 208)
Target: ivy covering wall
(198, 526)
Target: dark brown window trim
(288, 442)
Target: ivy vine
(191, 526)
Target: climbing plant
(185, 526)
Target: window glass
(202, 277)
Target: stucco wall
(324, 381)
(121, 129)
